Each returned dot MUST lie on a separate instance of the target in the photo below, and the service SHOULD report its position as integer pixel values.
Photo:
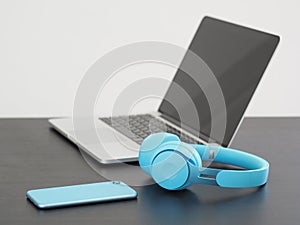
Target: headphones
(175, 165)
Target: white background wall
(46, 46)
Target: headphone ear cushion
(148, 146)
(154, 140)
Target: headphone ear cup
(148, 146)
(171, 168)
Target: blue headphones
(175, 165)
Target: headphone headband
(256, 173)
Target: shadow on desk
(209, 203)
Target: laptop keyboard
(141, 126)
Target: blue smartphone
(80, 194)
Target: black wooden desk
(32, 155)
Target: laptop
(237, 55)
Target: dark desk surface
(32, 156)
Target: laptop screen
(238, 57)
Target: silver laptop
(237, 55)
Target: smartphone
(80, 194)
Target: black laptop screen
(238, 56)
